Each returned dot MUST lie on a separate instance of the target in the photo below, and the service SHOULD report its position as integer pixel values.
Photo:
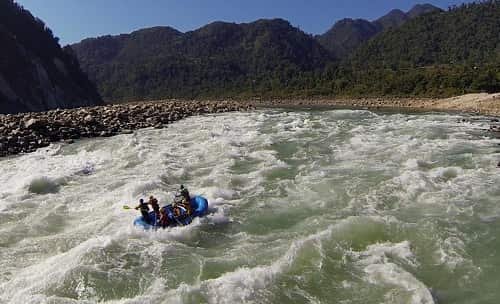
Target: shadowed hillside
(35, 72)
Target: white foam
(348, 163)
(379, 264)
(33, 281)
(452, 253)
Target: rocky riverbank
(26, 132)
(22, 133)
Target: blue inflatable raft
(199, 205)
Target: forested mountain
(394, 18)
(35, 72)
(421, 9)
(219, 59)
(347, 35)
(438, 54)
(468, 35)
(434, 54)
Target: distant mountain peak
(149, 30)
(421, 9)
(347, 21)
(394, 18)
(396, 12)
(347, 34)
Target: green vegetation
(220, 59)
(468, 35)
(430, 81)
(431, 53)
(347, 35)
(436, 54)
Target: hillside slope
(442, 54)
(219, 59)
(35, 72)
(436, 54)
(347, 35)
(467, 35)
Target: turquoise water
(306, 206)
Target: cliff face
(36, 74)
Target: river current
(305, 206)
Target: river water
(306, 206)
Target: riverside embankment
(26, 132)
(479, 103)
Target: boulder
(34, 123)
(88, 119)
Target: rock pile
(22, 133)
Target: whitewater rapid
(306, 206)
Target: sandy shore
(481, 103)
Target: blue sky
(74, 20)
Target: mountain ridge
(271, 58)
(417, 53)
(362, 30)
(219, 57)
